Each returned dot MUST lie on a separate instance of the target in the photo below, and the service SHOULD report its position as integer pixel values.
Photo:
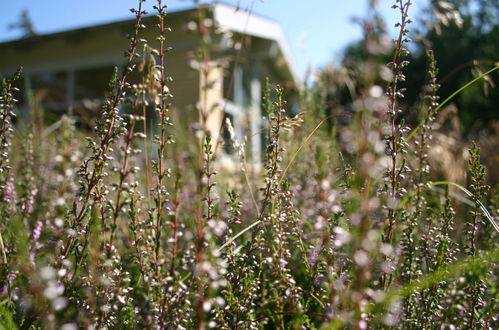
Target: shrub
(347, 230)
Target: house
(71, 69)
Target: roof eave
(244, 22)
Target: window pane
(228, 146)
(50, 88)
(237, 84)
(92, 83)
(228, 91)
(20, 95)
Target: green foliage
(464, 37)
(6, 318)
(464, 49)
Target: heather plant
(7, 191)
(342, 227)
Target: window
(92, 83)
(228, 146)
(20, 95)
(50, 89)
(237, 84)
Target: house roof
(225, 15)
(258, 26)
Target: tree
(464, 35)
(25, 25)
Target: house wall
(103, 47)
(100, 48)
(211, 99)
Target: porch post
(255, 112)
(70, 89)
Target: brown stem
(104, 145)
(123, 175)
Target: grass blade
(482, 207)
(415, 130)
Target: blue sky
(317, 30)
